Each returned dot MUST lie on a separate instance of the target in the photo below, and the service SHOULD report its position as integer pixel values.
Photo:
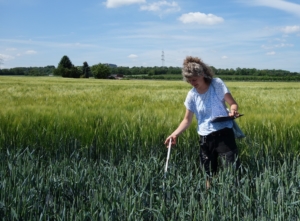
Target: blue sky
(262, 34)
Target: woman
(207, 100)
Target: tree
(65, 62)
(34, 72)
(123, 71)
(65, 68)
(101, 71)
(86, 71)
(75, 72)
(151, 72)
(58, 71)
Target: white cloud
(118, 3)
(280, 39)
(6, 57)
(266, 47)
(281, 45)
(161, 6)
(132, 56)
(200, 18)
(30, 52)
(278, 4)
(271, 53)
(224, 57)
(10, 49)
(291, 29)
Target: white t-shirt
(209, 105)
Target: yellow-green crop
(43, 111)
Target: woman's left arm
(233, 105)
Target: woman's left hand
(233, 105)
(234, 113)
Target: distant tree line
(253, 72)
(260, 78)
(65, 68)
(238, 74)
(149, 71)
(29, 71)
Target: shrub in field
(100, 71)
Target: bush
(101, 71)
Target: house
(115, 76)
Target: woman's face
(196, 81)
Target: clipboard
(224, 118)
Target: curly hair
(194, 66)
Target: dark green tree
(65, 68)
(135, 70)
(123, 71)
(59, 71)
(65, 62)
(100, 71)
(34, 72)
(75, 72)
(86, 71)
(151, 72)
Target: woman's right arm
(185, 123)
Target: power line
(163, 59)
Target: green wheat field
(87, 149)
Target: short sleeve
(220, 88)
(189, 102)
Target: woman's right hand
(173, 142)
(185, 123)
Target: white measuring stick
(168, 156)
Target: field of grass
(86, 149)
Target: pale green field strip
(76, 106)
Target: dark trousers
(216, 147)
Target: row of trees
(150, 71)
(253, 72)
(29, 71)
(65, 68)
